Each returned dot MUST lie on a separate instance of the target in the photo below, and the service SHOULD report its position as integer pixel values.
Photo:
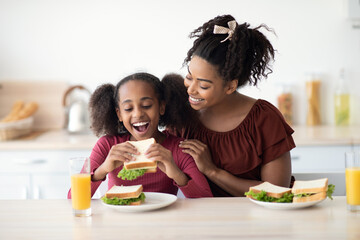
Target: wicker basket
(13, 130)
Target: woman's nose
(191, 90)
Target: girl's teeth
(139, 124)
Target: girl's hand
(166, 163)
(118, 154)
(200, 153)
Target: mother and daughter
(218, 142)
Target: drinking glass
(352, 177)
(80, 186)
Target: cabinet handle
(31, 161)
(295, 158)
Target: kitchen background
(48, 46)
(91, 42)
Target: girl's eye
(204, 87)
(127, 109)
(147, 106)
(188, 77)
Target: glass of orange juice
(80, 186)
(352, 177)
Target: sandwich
(302, 191)
(268, 192)
(313, 190)
(124, 195)
(141, 165)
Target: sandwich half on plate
(268, 192)
(302, 191)
(308, 191)
(141, 165)
(124, 195)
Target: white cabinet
(319, 158)
(37, 174)
(312, 162)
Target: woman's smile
(195, 101)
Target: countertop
(205, 218)
(61, 140)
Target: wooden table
(207, 218)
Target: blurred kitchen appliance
(76, 109)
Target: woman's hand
(156, 152)
(200, 153)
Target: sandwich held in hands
(302, 191)
(141, 164)
(124, 195)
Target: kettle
(76, 110)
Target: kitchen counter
(61, 140)
(326, 135)
(51, 140)
(206, 218)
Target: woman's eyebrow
(200, 79)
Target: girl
(238, 141)
(133, 110)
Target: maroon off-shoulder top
(260, 138)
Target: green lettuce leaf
(261, 196)
(131, 174)
(119, 201)
(330, 191)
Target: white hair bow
(225, 30)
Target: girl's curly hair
(245, 57)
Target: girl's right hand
(118, 154)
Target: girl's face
(204, 85)
(139, 109)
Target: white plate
(153, 201)
(285, 206)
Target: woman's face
(139, 109)
(204, 85)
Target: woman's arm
(277, 171)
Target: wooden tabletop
(206, 218)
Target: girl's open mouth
(141, 126)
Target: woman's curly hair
(245, 57)
(105, 100)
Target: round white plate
(285, 206)
(153, 201)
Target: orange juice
(352, 176)
(80, 191)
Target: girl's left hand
(164, 158)
(200, 153)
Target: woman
(236, 141)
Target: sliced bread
(124, 192)
(270, 189)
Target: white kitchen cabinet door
(50, 186)
(319, 158)
(15, 186)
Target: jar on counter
(313, 99)
(285, 103)
(342, 101)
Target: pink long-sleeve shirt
(196, 187)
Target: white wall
(92, 42)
